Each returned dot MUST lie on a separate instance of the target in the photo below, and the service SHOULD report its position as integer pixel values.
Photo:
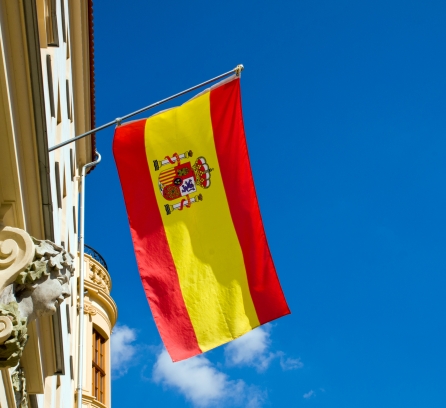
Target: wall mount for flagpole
(237, 71)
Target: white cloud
(252, 350)
(290, 363)
(309, 394)
(203, 384)
(255, 398)
(122, 349)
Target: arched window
(98, 385)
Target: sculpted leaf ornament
(49, 258)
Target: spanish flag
(195, 222)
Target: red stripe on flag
(230, 143)
(156, 267)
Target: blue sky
(344, 106)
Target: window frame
(99, 372)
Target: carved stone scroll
(17, 251)
(5, 328)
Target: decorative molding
(92, 402)
(88, 308)
(100, 277)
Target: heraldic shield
(179, 180)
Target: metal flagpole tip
(239, 69)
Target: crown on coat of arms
(202, 173)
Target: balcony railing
(95, 255)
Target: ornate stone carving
(5, 327)
(34, 281)
(101, 278)
(88, 309)
(44, 284)
(49, 258)
(13, 333)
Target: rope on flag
(197, 232)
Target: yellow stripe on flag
(210, 266)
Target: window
(49, 72)
(67, 93)
(59, 196)
(62, 11)
(98, 385)
(52, 36)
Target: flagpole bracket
(118, 121)
(238, 70)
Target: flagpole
(237, 70)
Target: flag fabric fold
(197, 232)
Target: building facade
(101, 313)
(46, 97)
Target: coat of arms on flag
(181, 181)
